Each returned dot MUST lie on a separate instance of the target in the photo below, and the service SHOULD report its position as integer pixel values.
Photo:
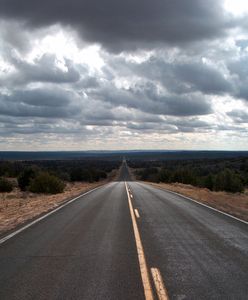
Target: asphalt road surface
(88, 249)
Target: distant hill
(119, 155)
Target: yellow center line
(159, 284)
(141, 255)
(137, 213)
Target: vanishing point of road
(127, 240)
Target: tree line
(230, 175)
(51, 176)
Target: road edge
(197, 202)
(8, 235)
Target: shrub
(80, 174)
(228, 181)
(91, 175)
(5, 185)
(64, 176)
(149, 174)
(47, 184)
(25, 178)
(102, 174)
(209, 182)
(165, 175)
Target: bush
(90, 175)
(25, 178)
(184, 175)
(5, 185)
(228, 181)
(165, 176)
(64, 176)
(80, 174)
(150, 174)
(209, 182)
(47, 184)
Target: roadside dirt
(17, 207)
(234, 204)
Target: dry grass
(234, 204)
(17, 207)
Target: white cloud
(236, 7)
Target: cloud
(47, 103)
(43, 69)
(14, 35)
(147, 98)
(242, 44)
(202, 77)
(164, 73)
(177, 76)
(238, 68)
(238, 116)
(126, 24)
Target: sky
(133, 74)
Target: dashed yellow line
(159, 284)
(137, 213)
(141, 255)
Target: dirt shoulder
(18, 207)
(233, 204)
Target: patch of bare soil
(233, 204)
(17, 207)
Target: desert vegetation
(29, 188)
(5, 185)
(227, 174)
(51, 176)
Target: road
(88, 249)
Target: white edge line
(205, 205)
(9, 236)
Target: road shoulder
(234, 204)
(18, 212)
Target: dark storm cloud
(45, 129)
(147, 98)
(14, 35)
(39, 103)
(177, 77)
(43, 69)
(238, 116)
(88, 82)
(187, 55)
(191, 124)
(203, 78)
(107, 115)
(171, 125)
(238, 68)
(242, 91)
(126, 24)
(152, 127)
